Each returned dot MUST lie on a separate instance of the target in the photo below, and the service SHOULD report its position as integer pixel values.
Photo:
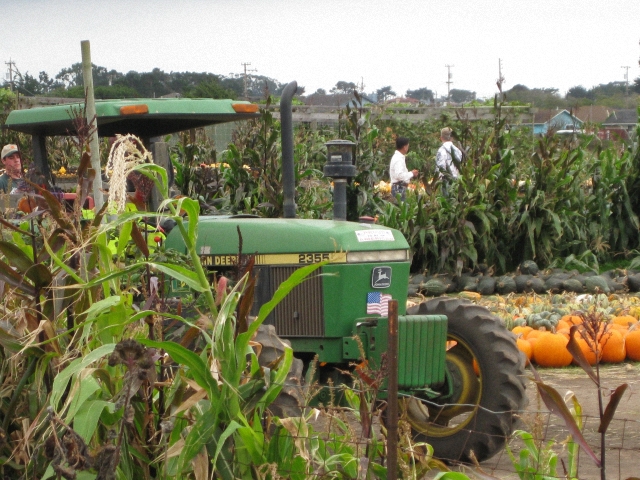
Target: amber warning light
(245, 107)
(134, 109)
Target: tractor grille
(301, 313)
(421, 352)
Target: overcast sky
(402, 44)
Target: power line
(11, 64)
(245, 65)
(626, 78)
(449, 82)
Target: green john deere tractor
(460, 374)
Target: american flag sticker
(378, 303)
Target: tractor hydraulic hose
(288, 173)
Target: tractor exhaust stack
(288, 172)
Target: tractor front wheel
(484, 391)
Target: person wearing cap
(448, 159)
(398, 173)
(12, 164)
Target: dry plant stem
(592, 322)
(115, 459)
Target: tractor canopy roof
(143, 117)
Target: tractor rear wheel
(290, 401)
(485, 376)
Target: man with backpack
(448, 160)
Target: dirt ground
(622, 437)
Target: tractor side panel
(421, 348)
(347, 288)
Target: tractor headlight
(375, 256)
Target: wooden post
(87, 76)
(392, 392)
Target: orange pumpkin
(551, 350)
(525, 347)
(26, 204)
(624, 320)
(562, 325)
(571, 319)
(536, 333)
(522, 330)
(613, 347)
(588, 349)
(632, 342)
(621, 328)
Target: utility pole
(449, 82)
(90, 111)
(11, 64)
(362, 85)
(245, 65)
(626, 78)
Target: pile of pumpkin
(384, 188)
(542, 325)
(527, 279)
(618, 340)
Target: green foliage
(210, 89)
(519, 197)
(535, 462)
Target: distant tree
(257, 85)
(609, 89)
(423, 94)
(344, 87)
(321, 91)
(46, 84)
(461, 96)
(636, 85)
(519, 88)
(72, 76)
(150, 84)
(28, 85)
(234, 83)
(540, 97)
(114, 91)
(384, 94)
(578, 92)
(210, 89)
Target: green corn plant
(229, 412)
(356, 125)
(573, 448)
(612, 222)
(547, 220)
(534, 462)
(71, 302)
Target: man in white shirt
(448, 157)
(400, 176)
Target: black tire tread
(503, 391)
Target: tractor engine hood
(293, 241)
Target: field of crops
(542, 231)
